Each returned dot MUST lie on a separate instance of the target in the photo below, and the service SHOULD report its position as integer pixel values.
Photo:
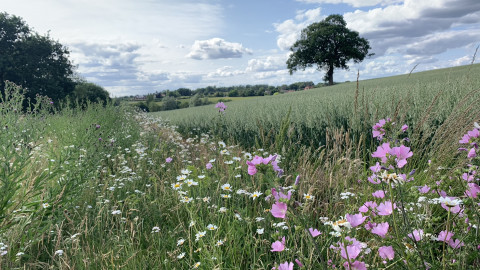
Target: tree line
(41, 66)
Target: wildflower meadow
(106, 187)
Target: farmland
(342, 176)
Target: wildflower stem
(445, 240)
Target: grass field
(433, 101)
(110, 188)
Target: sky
(135, 47)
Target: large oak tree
(37, 63)
(328, 44)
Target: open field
(435, 102)
(109, 188)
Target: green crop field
(431, 101)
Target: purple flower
(209, 166)
(278, 246)
(382, 152)
(424, 189)
(286, 266)
(444, 236)
(300, 264)
(355, 220)
(379, 194)
(352, 250)
(221, 107)
(473, 190)
(381, 229)
(378, 131)
(357, 265)
(314, 232)
(417, 235)
(279, 209)
(472, 153)
(386, 252)
(456, 243)
(385, 208)
(404, 128)
(376, 168)
(168, 159)
(402, 153)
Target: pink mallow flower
(424, 189)
(473, 190)
(404, 128)
(279, 209)
(355, 220)
(286, 266)
(278, 246)
(314, 232)
(472, 153)
(379, 194)
(381, 229)
(168, 159)
(416, 235)
(444, 236)
(386, 208)
(377, 130)
(352, 250)
(386, 252)
(456, 243)
(402, 153)
(209, 166)
(382, 152)
(357, 265)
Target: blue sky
(134, 47)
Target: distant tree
(170, 103)
(37, 63)
(233, 93)
(84, 91)
(184, 92)
(327, 44)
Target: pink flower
(382, 152)
(474, 133)
(378, 131)
(357, 265)
(209, 166)
(444, 236)
(355, 220)
(473, 190)
(281, 195)
(472, 153)
(279, 209)
(376, 168)
(286, 266)
(300, 264)
(381, 229)
(168, 159)
(402, 153)
(278, 246)
(370, 205)
(417, 235)
(314, 232)
(379, 194)
(456, 243)
(424, 189)
(404, 128)
(386, 252)
(252, 169)
(385, 208)
(221, 107)
(352, 250)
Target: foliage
(85, 91)
(36, 62)
(327, 44)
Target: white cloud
(216, 48)
(270, 63)
(226, 71)
(290, 30)
(354, 3)
(393, 28)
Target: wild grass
(107, 188)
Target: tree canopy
(37, 63)
(86, 91)
(328, 44)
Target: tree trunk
(330, 75)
